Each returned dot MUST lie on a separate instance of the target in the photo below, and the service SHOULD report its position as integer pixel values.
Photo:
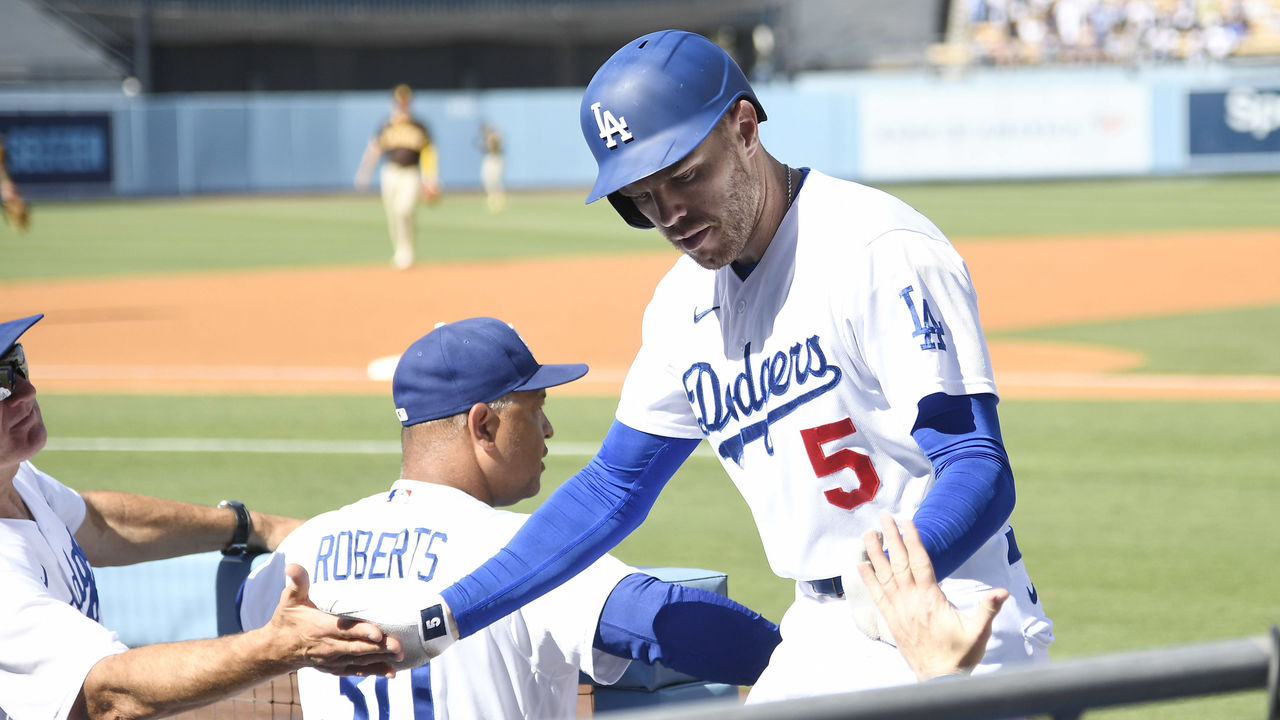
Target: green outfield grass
(1230, 342)
(148, 235)
(1097, 206)
(1143, 524)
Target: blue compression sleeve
(582, 520)
(972, 496)
(695, 631)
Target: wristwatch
(239, 544)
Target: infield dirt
(320, 329)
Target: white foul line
(277, 446)
(280, 446)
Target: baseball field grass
(1144, 523)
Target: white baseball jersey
(805, 376)
(50, 625)
(523, 666)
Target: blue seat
(644, 685)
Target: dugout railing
(1063, 690)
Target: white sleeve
(49, 648)
(918, 320)
(262, 592)
(653, 398)
(570, 614)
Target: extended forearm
(582, 520)
(123, 528)
(163, 679)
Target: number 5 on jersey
(824, 465)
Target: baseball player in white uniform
(470, 397)
(57, 660)
(823, 338)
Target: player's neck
(11, 503)
(778, 197)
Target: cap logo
(609, 125)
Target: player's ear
(744, 126)
(482, 424)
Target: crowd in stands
(1002, 32)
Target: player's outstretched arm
(124, 528)
(583, 519)
(167, 678)
(368, 161)
(932, 634)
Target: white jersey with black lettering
(805, 376)
(523, 666)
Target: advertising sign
(1242, 120)
(57, 147)
(963, 131)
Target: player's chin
(708, 259)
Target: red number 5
(824, 465)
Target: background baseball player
(13, 205)
(58, 661)
(470, 397)
(411, 171)
(492, 167)
(823, 338)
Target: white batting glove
(862, 607)
(423, 624)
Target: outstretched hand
(931, 633)
(430, 192)
(340, 646)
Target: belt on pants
(830, 587)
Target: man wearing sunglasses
(59, 661)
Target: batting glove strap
(425, 628)
(436, 628)
(862, 608)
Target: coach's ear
(482, 425)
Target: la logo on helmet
(609, 125)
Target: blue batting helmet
(651, 104)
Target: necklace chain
(789, 198)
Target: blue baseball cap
(12, 330)
(459, 364)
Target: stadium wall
(979, 124)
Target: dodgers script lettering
(777, 376)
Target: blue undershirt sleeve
(695, 631)
(582, 520)
(972, 496)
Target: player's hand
(862, 606)
(310, 637)
(421, 622)
(16, 210)
(931, 633)
(430, 192)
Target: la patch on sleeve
(926, 325)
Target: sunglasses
(12, 364)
